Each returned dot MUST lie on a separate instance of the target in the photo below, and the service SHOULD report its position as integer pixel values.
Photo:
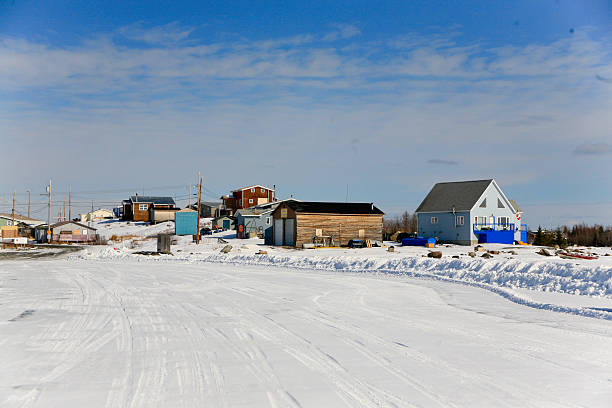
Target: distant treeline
(406, 223)
(581, 234)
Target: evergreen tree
(538, 237)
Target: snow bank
(521, 270)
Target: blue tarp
(418, 241)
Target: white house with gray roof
(468, 212)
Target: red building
(247, 197)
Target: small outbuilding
(226, 222)
(99, 214)
(72, 231)
(325, 223)
(186, 222)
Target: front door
(289, 232)
(278, 232)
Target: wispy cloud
(160, 35)
(443, 162)
(593, 149)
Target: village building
(72, 231)
(257, 221)
(96, 215)
(469, 212)
(209, 209)
(296, 223)
(227, 222)
(13, 226)
(143, 208)
(247, 197)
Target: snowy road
(121, 334)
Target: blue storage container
(186, 222)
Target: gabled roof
(333, 208)
(255, 186)
(59, 224)
(458, 195)
(153, 200)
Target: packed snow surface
(113, 326)
(133, 334)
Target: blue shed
(186, 222)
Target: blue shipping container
(185, 223)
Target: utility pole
(64, 216)
(199, 206)
(49, 220)
(69, 203)
(13, 213)
(28, 203)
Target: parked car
(356, 243)
(205, 231)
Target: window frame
(460, 220)
(433, 220)
(143, 207)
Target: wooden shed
(305, 222)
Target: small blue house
(469, 212)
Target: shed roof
(325, 207)
(458, 195)
(59, 224)
(152, 199)
(19, 217)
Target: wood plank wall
(341, 227)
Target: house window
(503, 220)
(500, 204)
(434, 220)
(484, 203)
(319, 232)
(252, 190)
(481, 220)
(250, 201)
(460, 220)
(263, 190)
(361, 233)
(143, 207)
(268, 220)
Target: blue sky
(385, 97)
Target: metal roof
(151, 199)
(59, 224)
(458, 196)
(334, 208)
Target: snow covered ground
(142, 334)
(302, 328)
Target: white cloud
(165, 34)
(307, 108)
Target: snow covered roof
(458, 195)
